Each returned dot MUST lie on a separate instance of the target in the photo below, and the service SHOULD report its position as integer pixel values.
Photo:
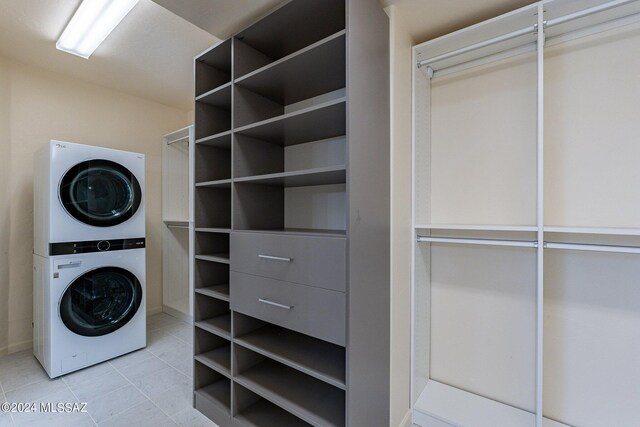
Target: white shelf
(515, 30)
(594, 230)
(482, 227)
(440, 403)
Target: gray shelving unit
(291, 211)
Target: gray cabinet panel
(314, 261)
(313, 311)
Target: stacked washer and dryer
(89, 255)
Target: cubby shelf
(311, 356)
(301, 231)
(286, 30)
(222, 258)
(213, 230)
(322, 121)
(222, 140)
(312, 400)
(219, 359)
(219, 325)
(216, 291)
(478, 227)
(213, 68)
(315, 70)
(219, 97)
(220, 183)
(318, 176)
(266, 414)
(217, 393)
(594, 231)
(176, 222)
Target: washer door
(100, 301)
(101, 193)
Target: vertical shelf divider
(540, 219)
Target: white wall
(401, 43)
(35, 106)
(5, 149)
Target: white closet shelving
(177, 159)
(526, 220)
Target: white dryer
(84, 193)
(88, 307)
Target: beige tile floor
(149, 387)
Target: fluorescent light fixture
(91, 24)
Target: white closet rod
(173, 141)
(476, 46)
(486, 242)
(593, 248)
(528, 30)
(177, 226)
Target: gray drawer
(313, 261)
(305, 309)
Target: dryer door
(100, 301)
(101, 193)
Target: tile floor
(149, 387)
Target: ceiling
(219, 17)
(150, 53)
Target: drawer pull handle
(275, 258)
(275, 304)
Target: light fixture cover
(91, 24)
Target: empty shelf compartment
(321, 121)
(288, 29)
(212, 207)
(213, 68)
(212, 315)
(212, 390)
(318, 176)
(213, 351)
(320, 359)
(220, 325)
(322, 161)
(255, 411)
(314, 70)
(218, 359)
(314, 401)
(216, 291)
(212, 163)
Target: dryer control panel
(70, 248)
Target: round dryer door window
(101, 193)
(101, 301)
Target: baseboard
(177, 314)
(406, 421)
(155, 310)
(13, 348)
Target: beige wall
(35, 106)
(401, 43)
(5, 149)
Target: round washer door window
(101, 193)
(101, 301)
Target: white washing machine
(84, 193)
(89, 307)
